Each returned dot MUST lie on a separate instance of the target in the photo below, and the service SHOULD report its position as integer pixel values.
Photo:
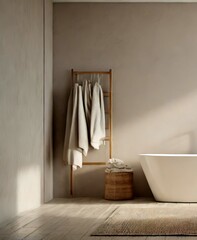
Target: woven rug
(159, 221)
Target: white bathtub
(171, 177)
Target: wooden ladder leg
(71, 181)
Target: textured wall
(21, 106)
(48, 100)
(153, 53)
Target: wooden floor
(70, 219)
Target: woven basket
(119, 185)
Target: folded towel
(116, 163)
(111, 170)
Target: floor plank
(74, 219)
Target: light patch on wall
(171, 128)
(32, 175)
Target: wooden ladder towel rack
(108, 94)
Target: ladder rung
(106, 139)
(106, 94)
(94, 163)
(91, 72)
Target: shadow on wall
(60, 171)
(89, 181)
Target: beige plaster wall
(152, 50)
(22, 91)
(48, 100)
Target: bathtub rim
(168, 154)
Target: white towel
(97, 123)
(82, 125)
(111, 170)
(116, 163)
(76, 139)
(87, 98)
(70, 141)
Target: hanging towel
(83, 142)
(87, 98)
(76, 139)
(70, 141)
(97, 123)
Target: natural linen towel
(87, 98)
(82, 124)
(97, 123)
(76, 137)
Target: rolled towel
(116, 163)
